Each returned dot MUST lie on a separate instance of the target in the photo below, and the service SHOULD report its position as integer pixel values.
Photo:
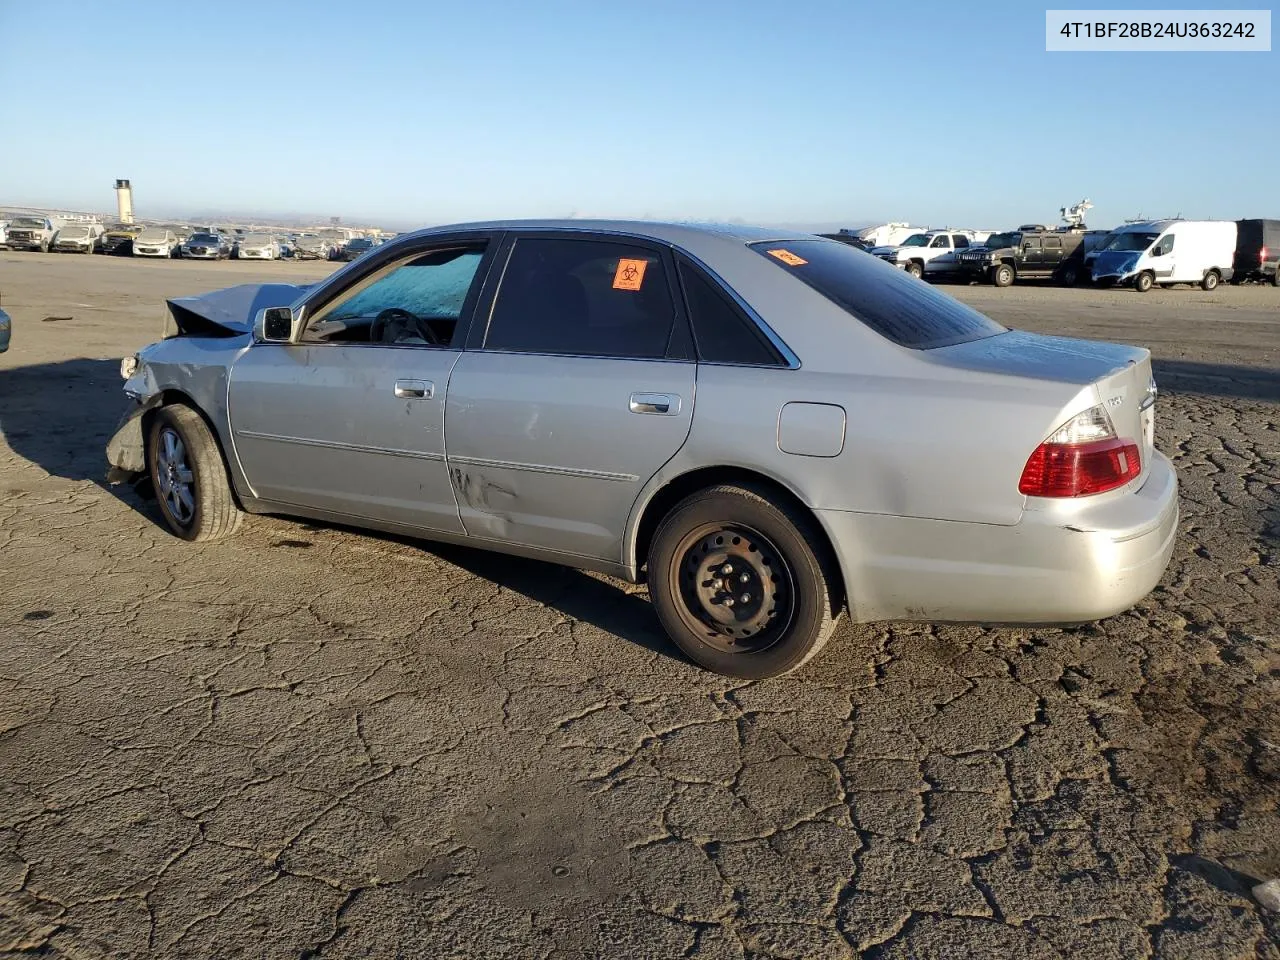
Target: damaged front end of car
(202, 335)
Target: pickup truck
(30, 233)
(119, 238)
(920, 248)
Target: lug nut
(744, 578)
(728, 601)
(727, 569)
(745, 598)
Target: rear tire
(1144, 282)
(1275, 278)
(1002, 275)
(1069, 278)
(1210, 281)
(730, 542)
(189, 476)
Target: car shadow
(1217, 379)
(59, 416)
(584, 597)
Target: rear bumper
(1047, 568)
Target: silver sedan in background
(768, 427)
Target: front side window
(1165, 246)
(940, 241)
(413, 303)
(889, 301)
(582, 298)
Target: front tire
(1210, 281)
(742, 583)
(1003, 275)
(916, 269)
(1144, 282)
(189, 476)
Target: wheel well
(169, 398)
(685, 484)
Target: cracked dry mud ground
(311, 742)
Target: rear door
(1051, 254)
(579, 388)
(1031, 258)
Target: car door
(580, 388)
(1164, 260)
(1030, 260)
(1051, 254)
(349, 418)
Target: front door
(350, 418)
(579, 392)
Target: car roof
(669, 231)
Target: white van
(1166, 252)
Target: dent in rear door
(547, 451)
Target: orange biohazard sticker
(629, 275)
(789, 258)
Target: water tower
(124, 201)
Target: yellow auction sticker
(789, 258)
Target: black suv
(1257, 251)
(1030, 251)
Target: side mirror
(273, 325)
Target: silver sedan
(768, 427)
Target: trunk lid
(1120, 376)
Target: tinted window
(889, 301)
(723, 333)
(960, 240)
(1053, 242)
(583, 298)
(416, 303)
(1030, 243)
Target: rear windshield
(890, 301)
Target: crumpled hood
(1115, 263)
(230, 312)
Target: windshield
(154, 236)
(74, 231)
(204, 238)
(916, 240)
(360, 243)
(1133, 241)
(891, 302)
(998, 241)
(27, 222)
(256, 240)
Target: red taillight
(1262, 255)
(1080, 469)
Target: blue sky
(817, 113)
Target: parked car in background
(313, 248)
(856, 438)
(918, 249)
(78, 238)
(4, 234)
(1166, 252)
(6, 330)
(1032, 252)
(258, 246)
(1257, 251)
(156, 242)
(118, 238)
(31, 233)
(357, 247)
(206, 246)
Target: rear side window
(724, 334)
(582, 298)
(889, 301)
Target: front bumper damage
(127, 448)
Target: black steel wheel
(743, 582)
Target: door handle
(415, 389)
(662, 404)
